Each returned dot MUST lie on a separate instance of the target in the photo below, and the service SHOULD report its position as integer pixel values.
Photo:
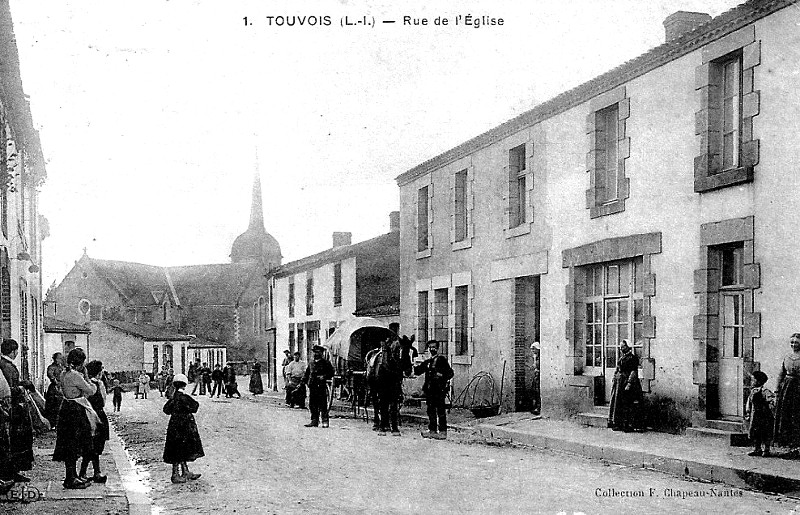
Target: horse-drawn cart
(348, 347)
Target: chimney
(394, 221)
(341, 239)
(679, 23)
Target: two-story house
(653, 203)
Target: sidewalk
(45, 495)
(693, 457)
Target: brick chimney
(394, 221)
(679, 23)
(341, 239)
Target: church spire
(256, 208)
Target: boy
(117, 399)
(759, 415)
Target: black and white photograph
(363, 256)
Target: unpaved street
(259, 459)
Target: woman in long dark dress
(98, 401)
(77, 422)
(626, 392)
(183, 440)
(53, 397)
(256, 386)
(787, 403)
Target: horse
(386, 368)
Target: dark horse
(386, 368)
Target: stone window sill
(610, 208)
(462, 360)
(421, 254)
(461, 245)
(716, 181)
(523, 228)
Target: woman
(53, 398)
(256, 387)
(787, 405)
(78, 421)
(626, 392)
(183, 440)
(98, 401)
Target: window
(95, 312)
(291, 339)
(422, 317)
(291, 299)
(440, 319)
(460, 206)
(164, 311)
(517, 192)
(614, 311)
(309, 293)
(731, 122)
(729, 101)
(422, 219)
(606, 177)
(255, 317)
(147, 316)
(337, 284)
(262, 315)
(732, 300)
(461, 339)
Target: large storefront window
(614, 310)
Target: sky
(156, 115)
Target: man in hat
(287, 358)
(295, 390)
(317, 375)
(437, 374)
(21, 426)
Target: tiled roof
(218, 284)
(148, 332)
(54, 325)
(135, 281)
(718, 27)
(391, 239)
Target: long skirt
(256, 386)
(21, 434)
(7, 468)
(183, 441)
(625, 406)
(787, 413)
(74, 434)
(102, 434)
(52, 404)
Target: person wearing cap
(183, 442)
(216, 377)
(437, 372)
(626, 392)
(317, 375)
(759, 415)
(295, 389)
(229, 378)
(287, 358)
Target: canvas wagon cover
(354, 338)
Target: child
(144, 384)
(117, 400)
(759, 415)
(183, 441)
(98, 401)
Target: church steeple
(256, 208)
(256, 244)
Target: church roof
(147, 332)
(134, 281)
(217, 284)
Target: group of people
(222, 380)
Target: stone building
(21, 227)
(223, 307)
(653, 203)
(315, 294)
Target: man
(229, 378)
(198, 378)
(295, 390)
(287, 358)
(216, 377)
(437, 374)
(317, 375)
(54, 396)
(21, 428)
(206, 378)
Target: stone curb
(138, 503)
(738, 477)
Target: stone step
(734, 438)
(593, 418)
(724, 425)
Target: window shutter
(453, 208)
(470, 202)
(430, 216)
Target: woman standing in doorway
(626, 393)
(787, 405)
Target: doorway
(527, 352)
